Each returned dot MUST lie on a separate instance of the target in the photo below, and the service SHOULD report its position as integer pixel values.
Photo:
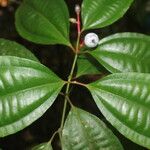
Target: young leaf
(9, 48)
(124, 52)
(101, 13)
(27, 90)
(43, 21)
(124, 99)
(83, 130)
(86, 66)
(43, 146)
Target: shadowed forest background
(59, 59)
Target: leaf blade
(27, 90)
(9, 48)
(43, 22)
(123, 99)
(83, 130)
(101, 13)
(87, 66)
(124, 52)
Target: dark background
(59, 58)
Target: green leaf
(9, 48)
(44, 22)
(87, 66)
(43, 146)
(124, 99)
(124, 52)
(101, 13)
(83, 130)
(27, 90)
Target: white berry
(91, 40)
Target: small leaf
(124, 52)
(43, 21)
(87, 66)
(27, 90)
(83, 130)
(101, 13)
(124, 99)
(43, 146)
(9, 48)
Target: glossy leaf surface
(9, 48)
(101, 13)
(44, 22)
(43, 146)
(83, 130)
(86, 66)
(124, 52)
(27, 90)
(124, 99)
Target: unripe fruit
(77, 8)
(91, 40)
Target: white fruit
(91, 40)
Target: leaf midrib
(129, 56)
(25, 89)
(129, 100)
(29, 67)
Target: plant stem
(78, 23)
(78, 28)
(67, 90)
(50, 141)
(66, 96)
(78, 83)
(71, 74)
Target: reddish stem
(78, 23)
(77, 10)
